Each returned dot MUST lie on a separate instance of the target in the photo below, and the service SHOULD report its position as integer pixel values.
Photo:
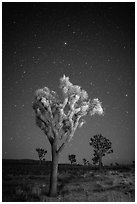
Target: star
(65, 43)
(126, 95)
(11, 138)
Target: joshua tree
(41, 153)
(59, 119)
(117, 164)
(85, 162)
(72, 158)
(102, 146)
(111, 164)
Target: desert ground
(28, 180)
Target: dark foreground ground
(28, 180)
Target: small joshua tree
(117, 164)
(41, 153)
(85, 162)
(102, 146)
(72, 158)
(111, 164)
(59, 119)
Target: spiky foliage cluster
(61, 118)
(101, 145)
(41, 153)
(72, 158)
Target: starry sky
(93, 44)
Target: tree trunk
(100, 163)
(54, 171)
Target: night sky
(93, 44)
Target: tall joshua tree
(72, 158)
(102, 146)
(59, 119)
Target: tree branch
(45, 118)
(69, 136)
(62, 145)
(49, 134)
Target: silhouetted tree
(102, 146)
(60, 119)
(117, 164)
(41, 153)
(72, 158)
(111, 164)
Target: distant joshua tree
(102, 146)
(117, 164)
(72, 158)
(41, 153)
(111, 164)
(85, 162)
(60, 117)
